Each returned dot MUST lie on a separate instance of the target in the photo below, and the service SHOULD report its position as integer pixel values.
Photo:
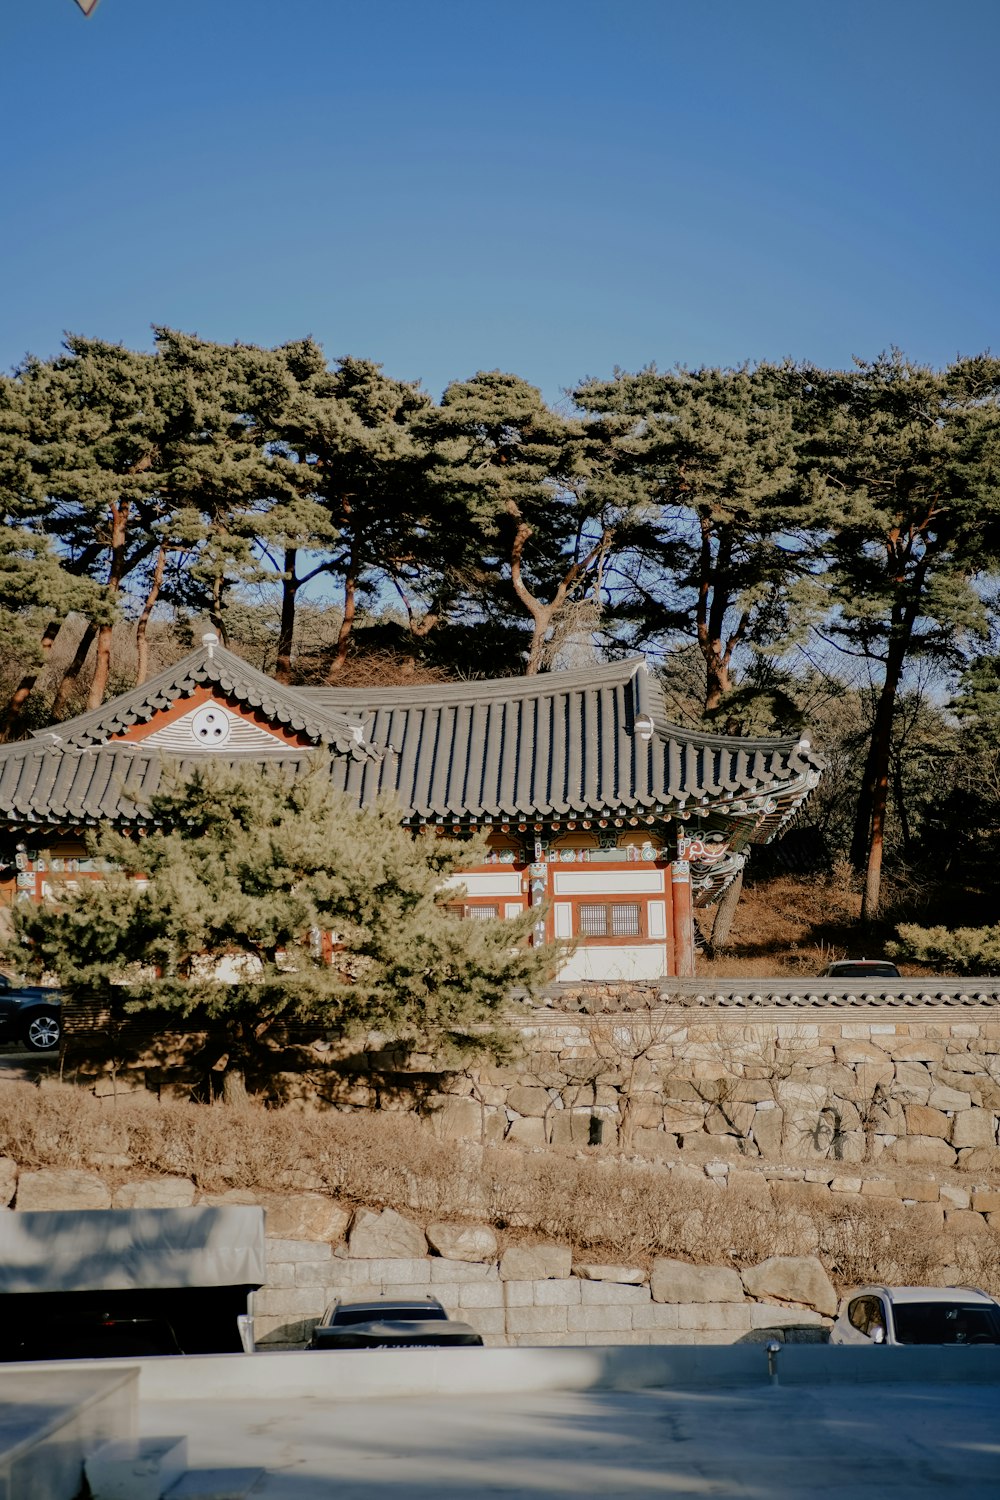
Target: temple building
(612, 821)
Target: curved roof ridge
(212, 663)
(434, 694)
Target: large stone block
(719, 1316)
(767, 1128)
(922, 1150)
(557, 1293)
(481, 1294)
(539, 1262)
(974, 1127)
(304, 1216)
(463, 1271)
(925, 1218)
(913, 1049)
(599, 1319)
(525, 1100)
(913, 1081)
(920, 1189)
(68, 1188)
(627, 1275)
(870, 1063)
(316, 1273)
(922, 1120)
(485, 1320)
(462, 1241)
(943, 1097)
(518, 1293)
(155, 1192)
(985, 1159)
(962, 1221)
(388, 1234)
(730, 1119)
(656, 1316)
(528, 1132)
(679, 1119)
(676, 1281)
(777, 1315)
(878, 1187)
(284, 1251)
(573, 1128)
(395, 1271)
(612, 1294)
(538, 1319)
(458, 1120)
(986, 1200)
(792, 1278)
(289, 1302)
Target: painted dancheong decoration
(613, 822)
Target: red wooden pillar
(680, 891)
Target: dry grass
(605, 1206)
(797, 926)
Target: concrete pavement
(792, 1443)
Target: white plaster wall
(608, 961)
(488, 883)
(609, 883)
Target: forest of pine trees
(789, 547)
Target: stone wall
(917, 1085)
(533, 1293)
(536, 1293)
(900, 1078)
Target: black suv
(30, 1014)
(382, 1324)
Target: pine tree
(240, 874)
(533, 511)
(724, 554)
(909, 461)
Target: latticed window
(482, 913)
(610, 919)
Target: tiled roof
(43, 783)
(561, 744)
(211, 665)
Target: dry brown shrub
(861, 1244)
(605, 1207)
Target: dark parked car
(96, 1336)
(862, 968)
(30, 1014)
(383, 1324)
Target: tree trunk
(541, 620)
(347, 623)
(21, 694)
(869, 829)
(286, 629)
(141, 639)
(215, 609)
(72, 673)
(102, 668)
(234, 1083)
(724, 914)
(116, 572)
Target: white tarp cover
(131, 1249)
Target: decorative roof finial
(211, 640)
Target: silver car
(917, 1315)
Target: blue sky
(552, 188)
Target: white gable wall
(212, 726)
